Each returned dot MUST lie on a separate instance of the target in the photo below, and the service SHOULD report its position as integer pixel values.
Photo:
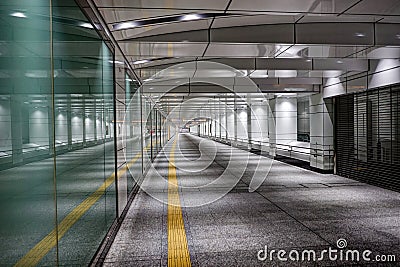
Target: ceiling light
(86, 25)
(359, 34)
(339, 62)
(149, 79)
(308, 60)
(191, 17)
(18, 15)
(116, 62)
(140, 61)
(125, 25)
(398, 36)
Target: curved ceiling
(276, 43)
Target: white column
(321, 132)
(259, 122)
(286, 119)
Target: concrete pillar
(321, 132)
(286, 119)
(84, 121)
(272, 128)
(69, 122)
(249, 133)
(95, 118)
(260, 120)
(51, 122)
(226, 118)
(16, 128)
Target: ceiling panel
(277, 33)
(252, 20)
(113, 15)
(329, 33)
(321, 51)
(156, 30)
(309, 18)
(382, 7)
(332, 6)
(146, 50)
(166, 4)
(241, 50)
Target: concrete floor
(293, 209)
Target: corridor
(205, 222)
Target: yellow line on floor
(178, 251)
(36, 254)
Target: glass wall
(70, 116)
(57, 158)
(27, 207)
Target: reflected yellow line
(36, 254)
(178, 251)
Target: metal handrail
(325, 152)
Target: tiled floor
(293, 209)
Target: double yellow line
(36, 254)
(178, 251)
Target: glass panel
(27, 209)
(133, 138)
(303, 119)
(84, 109)
(146, 122)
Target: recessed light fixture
(191, 17)
(18, 15)
(116, 62)
(140, 61)
(125, 25)
(359, 34)
(86, 25)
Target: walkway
(293, 209)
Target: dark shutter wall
(367, 136)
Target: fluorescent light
(86, 25)
(18, 15)
(140, 61)
(191, 17)
(125, 25)
(116, 62)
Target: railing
(311, 151)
